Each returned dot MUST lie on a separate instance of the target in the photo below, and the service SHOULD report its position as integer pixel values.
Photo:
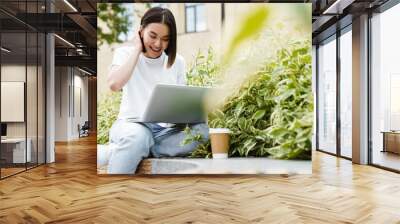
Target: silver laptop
(176, 104)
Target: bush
(107, 113)
(272, 113)
(204, 70)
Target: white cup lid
(219, 130)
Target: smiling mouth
(157, 51)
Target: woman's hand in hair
(136, 42)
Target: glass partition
(22, 88)
(13, 103)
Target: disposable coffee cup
(219, 142)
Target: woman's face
(155, 39)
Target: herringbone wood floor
(70, 191)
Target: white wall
(61, 103)
(13, 73)
(80, 99)
(82, 83)
(69, 85)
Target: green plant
(191, 136)
(272, 113)
(204, 70)
(116, 20)
(292, 117)
(107, 113)
(202, 151)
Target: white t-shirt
(147, 73)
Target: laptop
(178, 104)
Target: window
(157, 4)
(327, 96)
(195, 17)
(334, 106)
(346, 93)
(385, 89)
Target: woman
(135, 69)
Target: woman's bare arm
(120, 75)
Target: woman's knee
(130, 144)
(131, 134)
(132, 141)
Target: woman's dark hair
(164, 16)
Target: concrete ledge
(227, 166)
(222, 166)
(246, 165)
(144, 168)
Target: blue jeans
(130, 142)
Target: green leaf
(248, 146)
(242, 123)
(258, 115)
(277, 132)
(239, 109)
